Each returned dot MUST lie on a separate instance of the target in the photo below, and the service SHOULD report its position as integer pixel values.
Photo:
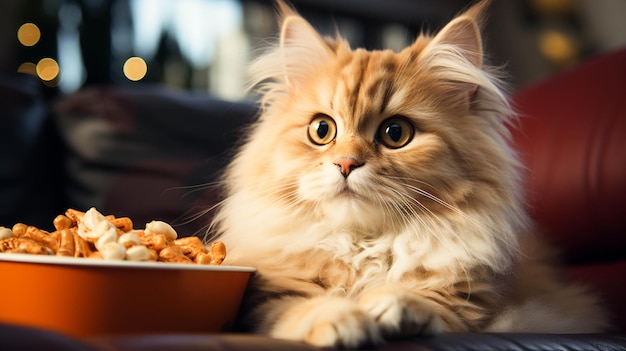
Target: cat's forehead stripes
(365, 86)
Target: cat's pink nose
(347, 165)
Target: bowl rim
(96, 262)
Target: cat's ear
(463, 34)
(456, 52)
(302, 48)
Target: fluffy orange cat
(378, 196)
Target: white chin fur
(344, 202)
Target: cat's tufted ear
(302, 48)
(463, 34)
(455, 55)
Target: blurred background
(168, 79)
(204, 45)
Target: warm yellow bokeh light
(28, 68)
(28, 34)
(557, 46)
(47, 69)
(135, 68)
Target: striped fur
(421, 239)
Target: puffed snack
(91, 234)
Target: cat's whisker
(396, 210)
(192, 189)
(413, 180)
(401, 211)
(190, 217)
(279, 186)
(268, 192)
(445, 204)
(430, 216)
(432, 197)
(196, 216)
(288, 198)
(406, 206)
(483, 227)
(429, 195)
(391, 207)
(287, 190)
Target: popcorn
(113, 251)
(129, 240)
(5, 233)
(159, 227)
(90, 234)
(93, 225)
(138, 253)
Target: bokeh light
(557, 47)
(47, 69)
(135, 68)
(28, 34)
(28, 68)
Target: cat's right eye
(396, 132)
(322, 129)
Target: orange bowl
(89, 297)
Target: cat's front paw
(400, 312)
(327, 322)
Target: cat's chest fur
(335, 266)
(342, 262)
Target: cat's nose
(347, 165)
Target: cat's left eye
(395, 132)
(322, 129)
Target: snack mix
(93, 235)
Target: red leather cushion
(573, 141)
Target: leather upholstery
(462, 341)
(573, 141)
(572, 137)
(28, 339)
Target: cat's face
(367, 140)
(376, 137)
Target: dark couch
(143, 151)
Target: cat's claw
(401, 313)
